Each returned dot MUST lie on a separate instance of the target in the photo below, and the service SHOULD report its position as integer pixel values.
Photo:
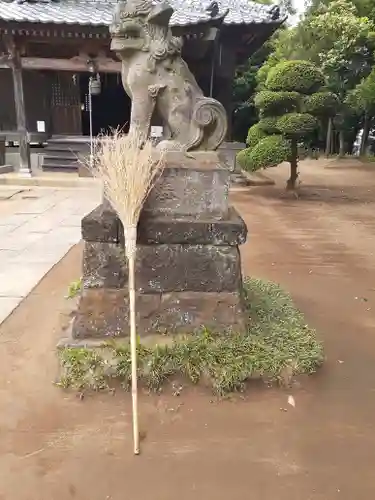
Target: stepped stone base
(188, 267)
(104, 313)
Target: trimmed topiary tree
(289, 108)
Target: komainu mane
(155, 76)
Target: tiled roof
(99, 13)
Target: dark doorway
(110, 109)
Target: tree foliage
(345, 53)
(268, 125)
(244, 87)
(362, 98)
(361, 101)
(296, 125)
(254, 135)
(269, 152)
(322, 104)
(339, 38)
(295, 76)
(272, 103)
(336, 36)
(290, 88)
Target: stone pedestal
(228, 151)
(188, 269)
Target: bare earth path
(321, 248)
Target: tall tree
(335, 38)
(365, 8)
(362, 101)
(346, 53)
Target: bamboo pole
(130, 249)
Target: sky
(300, 7)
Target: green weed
(74, 289)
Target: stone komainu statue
(155, 76)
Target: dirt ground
(321, 248)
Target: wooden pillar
(19, 100)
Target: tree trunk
(329, 137)
(341, 144)
(291, 184)
(365, 134)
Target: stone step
(59, 167)
(63, 159)
(66, 146)
(52, 162)
(61, 153)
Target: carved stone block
(103, 225)
(183, 191)
(104, 265)
(163, 268)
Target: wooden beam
(80, 64)
(75, 65)
(50, 30)
(24, 147)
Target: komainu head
(141, 25)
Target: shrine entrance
(110, 108)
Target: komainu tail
(209, 125)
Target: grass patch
(278, 341)
(74, 289)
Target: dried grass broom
(128, 173)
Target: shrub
(295, 76)
(297, 124)
(254, 135)
(269, 152)
(276, 103)
(322, 104)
